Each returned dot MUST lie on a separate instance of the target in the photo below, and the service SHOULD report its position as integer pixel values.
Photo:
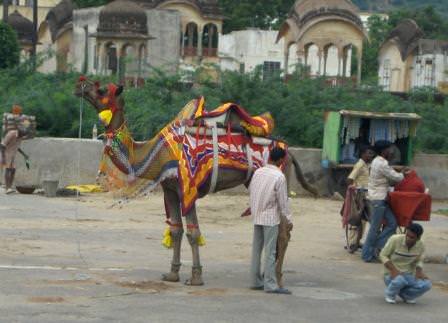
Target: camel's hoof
(171, 277)
(194, 281)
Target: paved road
(67, 261)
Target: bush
(9, 47)
(297, 105)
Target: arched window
(111, 63)
(142, 58)
(312, 59)
(190, 40)
(331, 60)
(128, 63)
(210, 41)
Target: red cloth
(347, 206)
(411, 183)
(409, 201)
(410, 206)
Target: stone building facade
(407, 60)
(244, 50)
(126, 37)
(322, 35)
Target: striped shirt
(269, 196)
(405, 259)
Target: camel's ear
(119, 90)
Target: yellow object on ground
(201, 241)
(167, 241)
(85, 188)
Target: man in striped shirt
(403, 266)
(268, 203)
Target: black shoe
(282, 290)
(257, 287)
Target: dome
(23, 27)
(123, 18)
(306, 10)
(59, 16)
(406, 35)
(207, 8)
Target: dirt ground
(69, 260)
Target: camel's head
(107, 101)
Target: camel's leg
(193, 235)
(172, 206)
(284, 235)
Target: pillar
(286, 61)
(319, 70)
(358, 80)
(101, 49)
(340, 59)
(344, 63)
(325, 60)
(200, 33)
(182, 37)
(98, 57)
(119, 50)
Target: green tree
(378, 30)
(9, 47)
(433, 24)
(262, 14)
(90, 3)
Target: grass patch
(443, 212)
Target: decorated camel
(198, 153)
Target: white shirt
(269, 196)
(382, 176)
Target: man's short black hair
(416, 228)
(277, 154)
(365, 148)
(381, 146)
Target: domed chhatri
(207, 8)
(123, 17)
(406, 35)
(23, 27)
(305, 10)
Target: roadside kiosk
(346, 131)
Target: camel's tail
(300, 178)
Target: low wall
(58, 158)
(433, 169)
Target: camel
(227, 178)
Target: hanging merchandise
(350, 129)
(378, 130)
(404, 126)
(348, 153)
(393, 130)
(354, 125)
(344, 129)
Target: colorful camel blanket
(136, 168)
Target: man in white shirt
(268, 202)
(382, 177)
